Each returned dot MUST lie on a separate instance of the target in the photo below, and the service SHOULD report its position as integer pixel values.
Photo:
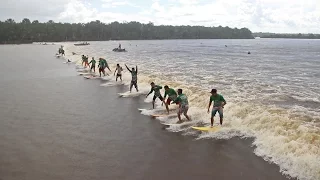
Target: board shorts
(133, 83)
(183, 109)
(171, 99)
(101, 69)
(215, 110)
(93, 67)
(119, 75)
(155, 97)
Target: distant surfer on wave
(157, 93)
(101, 66)
(86, 61)
(182, 100)
(93, 65)
(218, 104)
(119, 72)
(172, 95)
(105, 64)
(134, 79)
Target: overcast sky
(258, 15)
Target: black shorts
(119, 75)
(155, 97)
(93, 67)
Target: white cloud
(114, 4)
(257, 15)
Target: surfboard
(172, 124)
(140, 109)
(208, 128)
(92, 77)
(159, 115)
(128, 94)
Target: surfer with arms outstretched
(182, 100)
(157, 93)
(172, 95)
(134, 75)
(218, 104)
(119, 72)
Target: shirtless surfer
(134, 75)
(119, 72)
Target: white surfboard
(128, 94)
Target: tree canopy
(35, 31)
(289, 36)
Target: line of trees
(35, 31)
(289, 36)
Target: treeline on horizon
(35, 31)
(289, 36)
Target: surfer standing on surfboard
(218, 103)
(93, 65)
(119, 72)
(134, 80)
(183, 105)
(172, 95)
(157, 93)
(101, 67)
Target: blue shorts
(215, 110)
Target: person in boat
(93, 65)
(172, 95)
(156, 89)
(119, 72)
(218, 104)
(119, 46)
(182, 100)
(134, 78)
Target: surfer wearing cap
(134, 80)
(119, 72)
(157, 93)
(172, 95)
(182, 100)
(93, 65)
(218, 104)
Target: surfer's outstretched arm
(128, 68)
(115, 71)
(150, 92)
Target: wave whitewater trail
(284, 136)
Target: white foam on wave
(281, 136)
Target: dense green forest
(289, 36)
(35, 31)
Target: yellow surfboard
(208, 128)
